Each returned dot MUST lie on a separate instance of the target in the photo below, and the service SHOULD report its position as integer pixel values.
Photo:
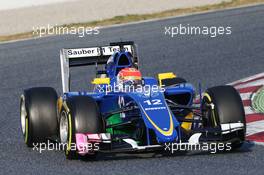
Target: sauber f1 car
(127, 112)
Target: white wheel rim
(23, 114)
(63, 127)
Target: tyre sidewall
(41, 109)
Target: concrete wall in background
(74, 11)
(15, 4)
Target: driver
(129, 77)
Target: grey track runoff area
(211, 61)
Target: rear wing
(90, 56)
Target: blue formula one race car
(127, 112)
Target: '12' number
(153, 102)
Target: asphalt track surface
(211, 61)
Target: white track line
(258, 143)
(246, 96)
(248, 110)
(253, 83)
(248, 78)
(255, 127)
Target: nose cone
(157, 115)
(163, 139)
(161, 121)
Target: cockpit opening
(123, 60)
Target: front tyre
(226, 111)
(223, 107)
(79, 114)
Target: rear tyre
(38, 114)
(228, 108)
(79, 115)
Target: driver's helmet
(129, 77)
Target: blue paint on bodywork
(157, 116)
(152, 106)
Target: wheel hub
(23, 115)
(63, 127)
